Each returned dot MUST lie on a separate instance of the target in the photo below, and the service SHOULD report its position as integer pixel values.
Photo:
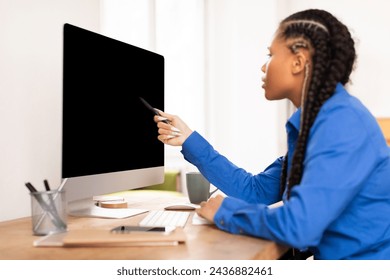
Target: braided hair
(333, 57)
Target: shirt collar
(295, 119)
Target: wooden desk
(203, 241)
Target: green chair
(171, 182)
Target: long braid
(332, 62)
(283, 177)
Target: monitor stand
(87, 208)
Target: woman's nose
(263, 68)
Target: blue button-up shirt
(340, 209)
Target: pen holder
(48, 212)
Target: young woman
(334, 180)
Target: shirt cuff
(191, 147)
(223, 218)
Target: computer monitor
(109, 138)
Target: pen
(31, 187)
(46, 183)
(51, 199)
(152, 109)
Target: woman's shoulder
(344, 114)
(345, 106)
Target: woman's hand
(171, 129)
(208, 209)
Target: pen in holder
(48, 211)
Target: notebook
(105, 238)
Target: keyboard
(161, 218)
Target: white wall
(241, 124)
(31, 94)
(132, 21)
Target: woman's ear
(298, 63)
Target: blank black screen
(106, 128)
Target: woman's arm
(230, 179)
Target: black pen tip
(46, 183)
(30, 187)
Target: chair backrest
(384, 123)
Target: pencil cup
(48, 212)
(198, 188)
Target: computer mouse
(181, 206)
